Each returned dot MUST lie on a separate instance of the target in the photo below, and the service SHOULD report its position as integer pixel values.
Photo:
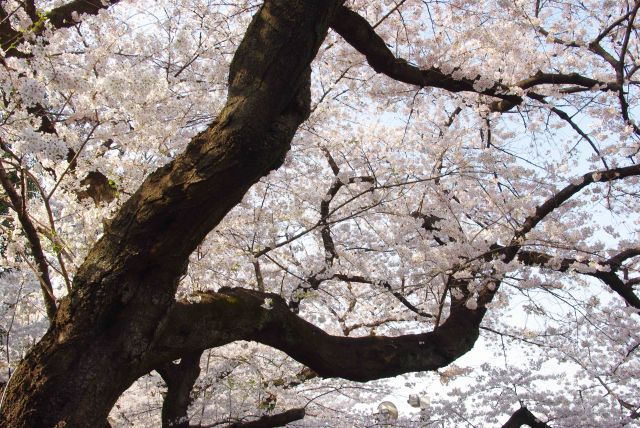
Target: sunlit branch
(604, 33)
(388, 14)
(52, 234)
(541, 78)
(347, 330)
(606, 272)
(387, 286)
(624, 104)
(511, 336)
(566, 193)
(593, 47)
(362, 36)
(564, 116)
(18, 204)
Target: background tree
(360, 190)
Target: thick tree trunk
(102, 337)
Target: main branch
(234, 314)
(356, 31)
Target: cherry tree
(254, 213)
